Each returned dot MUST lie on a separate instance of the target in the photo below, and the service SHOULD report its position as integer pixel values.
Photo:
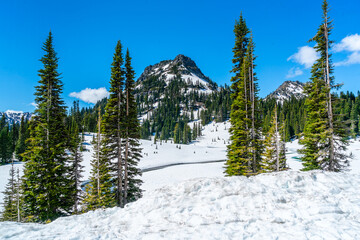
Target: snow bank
(286, 205)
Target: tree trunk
(330, 113)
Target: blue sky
(86, 32)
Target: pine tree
(21, 143)
(238, 162)
(113, 123)
(132, 173)
(5, 144)
(12, 209)
(76, 167)
(274, 158)
(244, 152)
(99, 189)
(46, 177)
(324, 137)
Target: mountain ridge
(287, 90)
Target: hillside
(174, 92)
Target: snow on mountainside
(15, 116)
(284, 205)
(287, 90)
(183, 66)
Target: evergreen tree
(274, 158)
(12, 209)
(46, 171)
(244, 152)
(132, 173)
(76, 159)
(5, 144)
(99, 189)
(21, 142)
(324, 138)
(113, 123)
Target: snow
(13, 112)
(285, 205)
(187, 197)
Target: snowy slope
(187, 69)
(210, 147)
(286, 205)
(195, 201)
(287, 90)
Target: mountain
(15, 116)
(171, 93)
(287, 90)
(182, 67)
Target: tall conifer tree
(46, 179)
(324, 137)
(274, 158)
(113, 123)
(99, 190)
(244, 152)
(132, 173)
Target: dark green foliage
(113, 123)
(274, 158)
(76, 159)
(324, 137)
(132, 156)
(99, 192)
(21, 144)
(46, 177)
(5, 144)
(291, 113)
(12, 198)
(244, 152)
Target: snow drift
(286, 205)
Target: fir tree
(99, 189)
(244, 152)
(76, 167)
(324, 138)
(274, 158)
(12, 208)
(21, 143)
(5, 144)
(113, 123)
(132, 173)
(46, 177)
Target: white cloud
(353, 58)
(91, 95)
(350, 43)
(33, 104)
(305, 56)
(293, 72)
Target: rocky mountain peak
(287, 90)
(181, 66)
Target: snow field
(285, 205)
(179, 204)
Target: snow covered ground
(195, 201)
(286, 205)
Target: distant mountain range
(153, 83)
(15, 116)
